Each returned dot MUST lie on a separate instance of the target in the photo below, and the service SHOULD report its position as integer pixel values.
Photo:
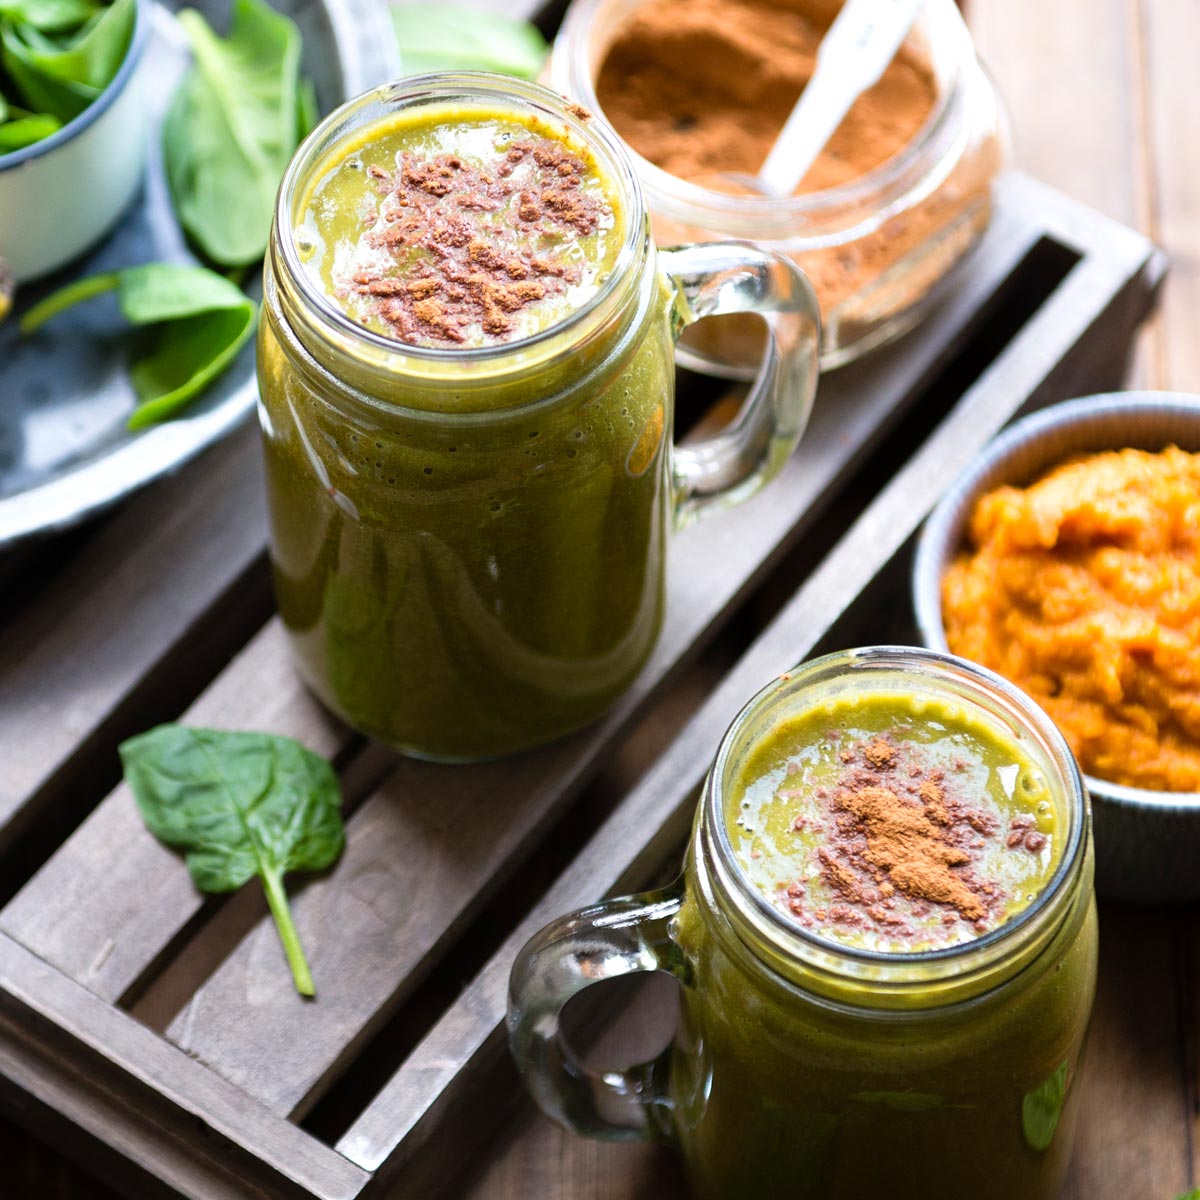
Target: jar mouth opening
(888, 177)
(468, 88)
(970, 677)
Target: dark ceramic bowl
(1147, 842)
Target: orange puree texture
(1084, 590)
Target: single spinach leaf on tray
(199, 321)
(239, 805)
(50, 16)
(231, 128)
(446, 37)
(25, 128)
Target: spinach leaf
(308, 110)
(240, 805)
(1041, 1109)
(445, 37)
(25, 129)
(231, 128)
(200, 321)
(64, 99)
(50, 16)
(64, 78)
(4, 109)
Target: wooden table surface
(1103, 104)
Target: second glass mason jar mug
(469, 544)
(804, 1068)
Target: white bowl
(64, 193)
(1147, 842)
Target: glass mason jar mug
(468, 544)
(804, 1067)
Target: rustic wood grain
(1073, 78)
(97, 651)
(119, 1082)
(1170, 32)
(1070, 75)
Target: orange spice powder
(704, 86)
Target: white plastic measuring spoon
(853, 54)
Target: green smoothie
(468, 553)
(894, 825)
(459, 229)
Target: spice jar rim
(440, 88)
(893, 178)
(1043, 916)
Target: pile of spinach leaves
(232, 126)
(56, 57)
(234, 122)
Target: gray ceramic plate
(64, 394)
(1147, 843)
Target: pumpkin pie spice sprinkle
(902, 842)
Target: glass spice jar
(878, 249)
(809, 1068)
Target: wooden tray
(155, 1032)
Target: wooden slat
(1171, 33)
(194, 1107)
(425, 854)
(1133, 1132)
(1074, 79)
(82, 662)
(652, 817)
(95, 909)
(1070, 75)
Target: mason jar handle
(715, 279)
(605, 941)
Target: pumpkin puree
(1084, 590)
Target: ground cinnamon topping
(901, 840)
(461, 246)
